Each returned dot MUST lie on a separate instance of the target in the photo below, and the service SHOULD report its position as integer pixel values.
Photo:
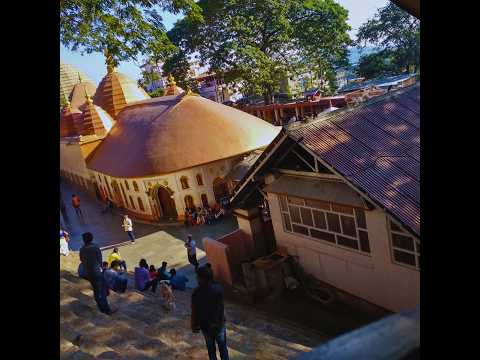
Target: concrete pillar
(250, 222)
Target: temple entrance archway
(220, 188)
(167, 207)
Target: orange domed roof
(117, 90)
(170, 133)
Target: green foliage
(122, 29)
(377, 64)
(147, 78)
(157, 92)
(177, 65)
(396, 33)
(257, 43)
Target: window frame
(141, 207)
(416, 245)
(135, 186)
(182, 178)
(199, 176)
(286, 212)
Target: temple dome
(170, 133)
(117, 90)
(70, 75)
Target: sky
(93, 65)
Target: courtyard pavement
(107, 227)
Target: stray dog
(167, 295)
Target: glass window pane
(364, 243)
(348, 226)
(296, 201)
(286, 221)
(395, 227)
(403, 257)
(306, 216)
(283, 203)
(403, 242)
(322, 235)
(300, 229)
(318, 204)
(347, 242)
(320, 221)
(361, 221)
(295, 214)
(342, 209)
(333, 222)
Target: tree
(121, 29)
(178, 65)
(377, 64)
(396, 33)
(257, 43)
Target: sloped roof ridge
(335, 115)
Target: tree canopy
(121, 29)
(257, 43)
(397, 34)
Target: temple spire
(89, 99)
(109, 61)
(79, 77)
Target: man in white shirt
(191, 251)
(128, 227)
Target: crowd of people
(207, 305)
(205, 214)
(207, 309)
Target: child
(167, 295)
(152, 272)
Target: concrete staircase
(142, 329)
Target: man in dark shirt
(91, 257)
(208, 313)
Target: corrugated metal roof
(376, 147)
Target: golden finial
(89, 99)
(109, 61)
(171, 80)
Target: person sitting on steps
(178, 281)
(142, 277)
(163, 274)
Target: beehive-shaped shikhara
(117, 90)
(77, 96)
(95, 121)
(69, 77)
(70, 120)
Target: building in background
(343, 196)
(155, 70)
(212, 87)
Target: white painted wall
(373, 277)
(72, 161)
(208, 172)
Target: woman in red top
(152, 272)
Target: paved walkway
(107, 229)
